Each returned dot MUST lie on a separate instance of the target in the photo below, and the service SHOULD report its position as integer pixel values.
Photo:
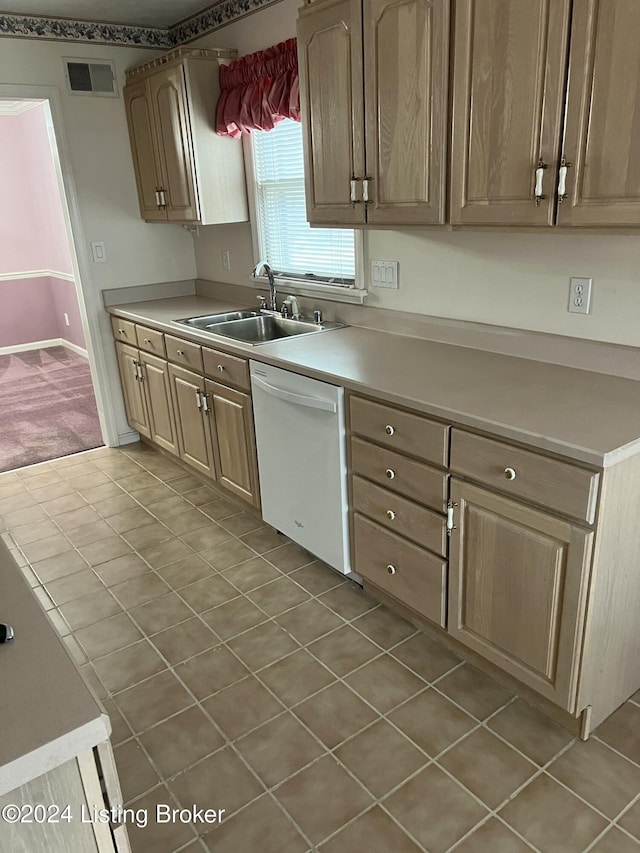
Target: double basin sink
(255, 327)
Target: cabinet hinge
(450, 525)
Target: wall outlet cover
(580, 296)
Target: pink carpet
(47, 407)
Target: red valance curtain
(259, 90)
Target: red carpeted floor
(47, 407)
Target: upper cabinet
(184, 171)
(602, 133)
(374, 89)
(546, 108)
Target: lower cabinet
(157, 394)
(191, 410)
(132, 388)
(234, 440)
(206, 423)
(517, 589)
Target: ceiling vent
(85, 77)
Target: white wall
(512, 279)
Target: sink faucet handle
(317, 316)
(263, 301)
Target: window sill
(331, 293)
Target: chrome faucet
(263, 266)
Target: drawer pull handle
(179, 352)
(389, 429)
(390, 473)
(121, 332)
(147, 340)
(391, 514)
(391, 569)
(220, 368)
(510, 473)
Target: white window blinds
(291, 247)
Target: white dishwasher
(300, 436)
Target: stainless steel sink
(213, 319)
(268, 327)
(254, 327)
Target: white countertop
(48, 714)
(590, 417)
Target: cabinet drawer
(398, 430)
(555, 485)
(400, 515)
(415, 577)
(124, 330)
(406, 476)
(184, 352)
(151, 341)
(225, 368)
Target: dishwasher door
(300, 436)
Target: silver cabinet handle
(390, 473)
(391, 569)
(390, 514)
(122, 332)
(163, 198)
(562, 179)
(139, 369)
(365, 190)
(220, 368)
(147, 340)
(510, 473)
(539, 177)
(205, 404)
(158, 199)
(389, 429)
(134, 364)
(179, 352)
(198, 398)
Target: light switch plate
(384, 274)
(99, 252)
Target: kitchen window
(307, 259)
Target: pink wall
(44, 190)
(65, 299)
(32, 309)
(33, 237)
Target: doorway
(48, 406)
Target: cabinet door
(330, 65)
(234, 441)
(192, 425)
(171, 115)
(406, 62)
(603, 115)
(143, 149)
(132, 388)
(518, 582)
(162, 427)
(509, 73)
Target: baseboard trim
(128, 437)
(53, 342)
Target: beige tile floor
(239, 674)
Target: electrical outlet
(580, 296)
(226, 260)
(66, 319)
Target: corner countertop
(48, 713)
(589, 417)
